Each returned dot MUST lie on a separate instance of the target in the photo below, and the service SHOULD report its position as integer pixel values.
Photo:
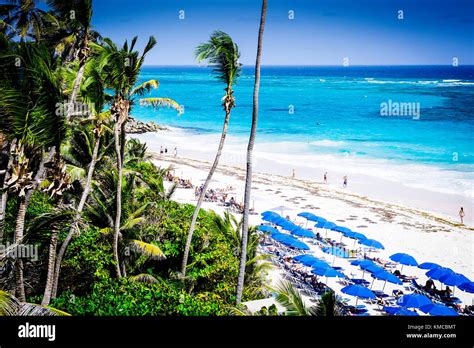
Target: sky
(321, 32)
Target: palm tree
(93, 93)
(289, 297)
(123, 69)
(11, 306)
(33, 123)
(75, 37)
(248, 179)
(26, 17)
(223, 55)
(328, 305)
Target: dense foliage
(110, 239)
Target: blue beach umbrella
(454, 279)
(439, 272)
(306, 259)
(328, 273)
(335, 251)
(269, 218)
(386, 277)
(467, 287)
(268, 229)
(413, 300)
(301, 232)
(268, 213)
(372, 243)
(356, 236)
(428, 265)
(299, 245)
(358, 291)
(327, 225)
(404, 259)
(438, 310)
(405, 312)
(310, 216)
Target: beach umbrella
(404, 259)
(327, 272)
(320, 223)
(356, 236)
(454, 279)
(386, 277)
(267, 229)
(467, 287)
(371, 243)
(413, 300)
(359, 261)
(428, 265)
(299, 245)
(301, 232)
(311, 216)
(438, 309)
(358, 291)
(405, 312)
(270, 218)
(327, 226)
(335, 251)
(306, 259)
(281, 208)
(437, 273)
(268, 212)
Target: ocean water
(326, 118)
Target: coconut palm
(92, 93)
(11, 306)
(33, 123)
(327, 305)
(223, 55)
(26, 18)
(123, 69)
(74, 38)
(248, 178)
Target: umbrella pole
(333, 259)
(341, 238)
(373, 280)
(385, 283)
(357, 299)
(401, 269)
(353, 247)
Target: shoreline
(381, 182)
(427, 236)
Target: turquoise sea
(327, 113)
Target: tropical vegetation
(76, 188)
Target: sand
(424, 235)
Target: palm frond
(162, 102)
(144, 278)
(147, 249)
(291, 299)
(145, 87)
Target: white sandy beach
(424, 235)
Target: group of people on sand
(181, 183)
(344, 179)
(164, 151)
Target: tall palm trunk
(75, 90)
(18, 239)
(74, 227)
(24, 201)
(248, 180)
(228, 103)
(53, 243)
(118, 198)
(4, 190)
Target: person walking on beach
(344, 183)
(461, 215)
(294, 174)
(175, 151)
(326, 177)
(166, 150)
(161, 150)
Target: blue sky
(322, 32)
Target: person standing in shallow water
(326, 177)
(461, 215)
(344, 183)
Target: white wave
(327, 143)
